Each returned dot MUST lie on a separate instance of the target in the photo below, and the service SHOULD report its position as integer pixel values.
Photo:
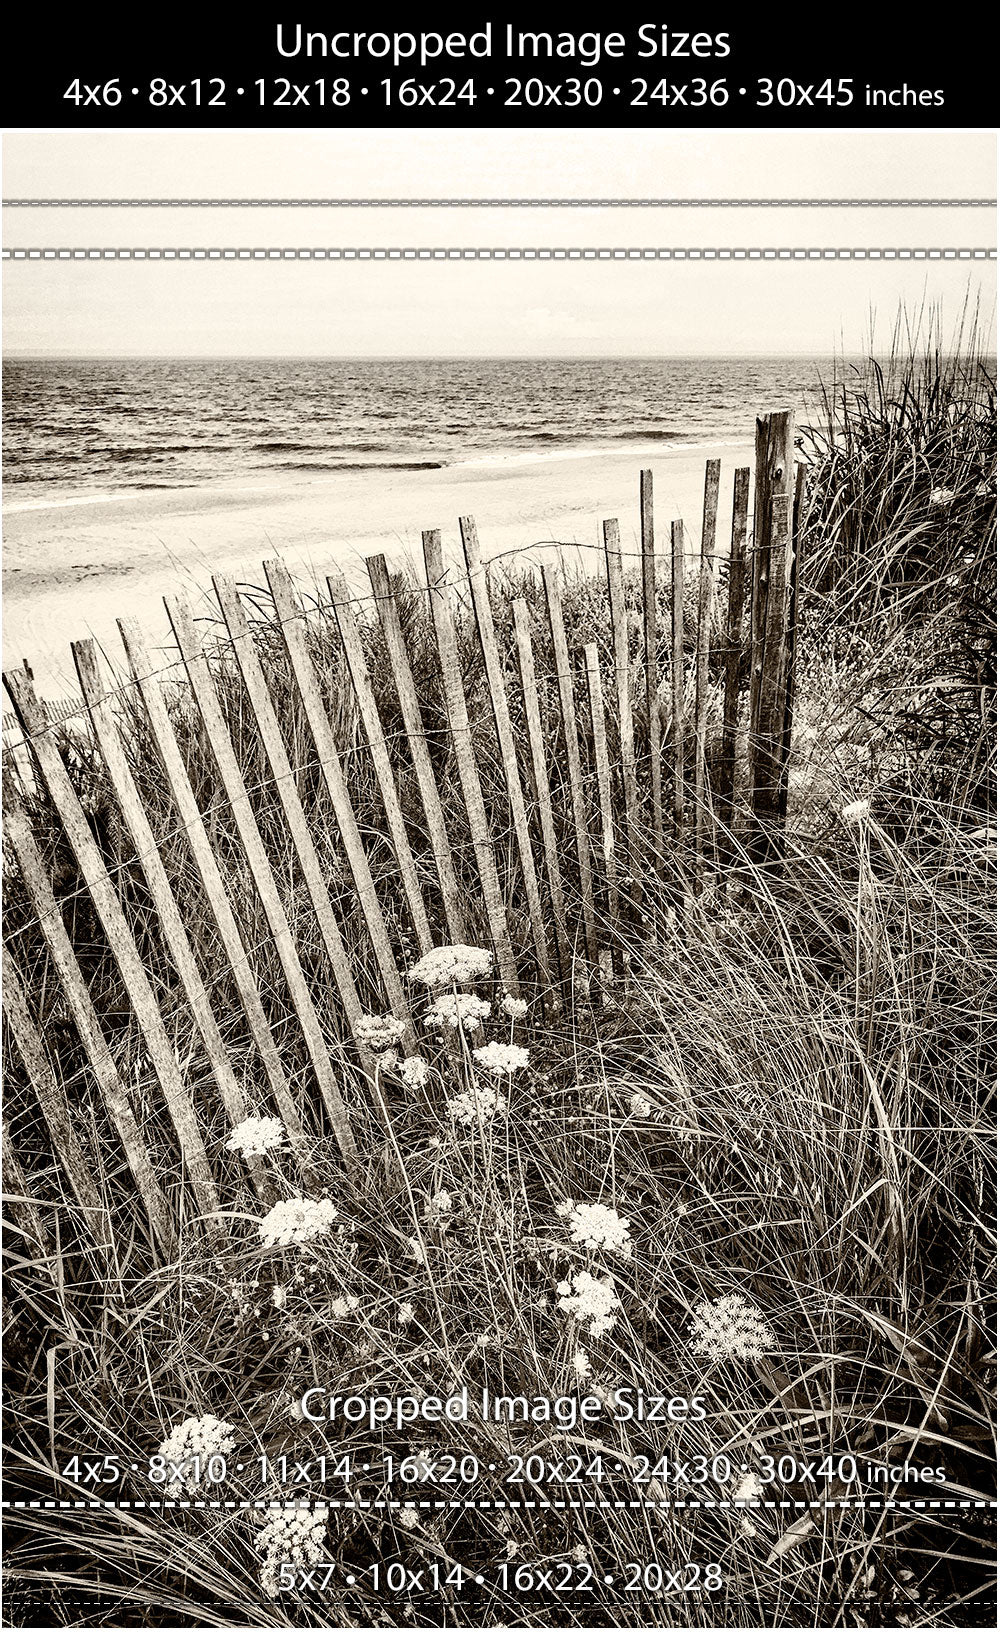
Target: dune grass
(786, 1092)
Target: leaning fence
(237, 853)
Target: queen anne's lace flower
(292, 1536)
(941, 496)
(299, 1219)
(639, 1106)
(405, 1314)
(458, 1009)
(581, 1363)
(438, 1207)
(858, 811)
(342, 1307)
(501, 1057)
(476, 1105)
(379, 1032)
(414, 1071)
(748, 1488)
(600, 1229)
(408, 1518)
(731, 1328)
(516, 1008)
(199, 1438)
(452, 966)
(416, 1247)
(591, 1299)
(255, 1136)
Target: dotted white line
(488, 1503)
(500, 254)
(499, 203)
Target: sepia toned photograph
(499, 828)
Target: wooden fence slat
(677, 672)
(540, 775)
(203, 688)
(51, 1097)
(121, 942)
(567, 709)
(20, 1204)
(343, 611)
(293, 633)
(793, 621)
(592, 665)
(210, 875)
(442, 612)
(99, 1057)
(706, 586)
(505, 737)
(650, 622)
(773, 474)
(768, 736)
(734, 637)
(109, 740)
(406, 691)
(623, 695)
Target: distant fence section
(204, 953)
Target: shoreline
(73, 563)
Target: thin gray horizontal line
(700, 253)
(500, 203)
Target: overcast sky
(566, 309)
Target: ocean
(139, 423)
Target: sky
(482, 308)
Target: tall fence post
(571, 741)
(649, 623)
(540, 776)
(734, 637)
(677, 673)
(706, 587)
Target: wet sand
(75, 561)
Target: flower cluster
(299, 1219)
(858, 811)
(639, 1106)
(591, 1299)
(941, 496)
(344, 1306)
(452, 966)
(501, 1057)
(195, 1437)
(438, 1208)
(458, 1009)
(255, 1136)
(516, 1008)
(379, 1032)
(476, 1105)
(598, 1228)
(414, 1071)
(731, 1328)
(292, 1536)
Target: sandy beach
(74, 561)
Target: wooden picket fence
(602, 839)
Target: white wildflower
(639, 1106)
(501, 1058)
(299, 1219)
(591, 1299)
(344, 1306)
(600, 1229)
(516, 1008)
(379, 1032)
(279, 1298)
(195, 1438)
(255, 1136)
(747, 1489)
(438, 1207)
(458, 1009)
(564, 1208)
(858, 811)
(731, 1328)
(941, 496)
(581, 1363)
(416, 1247)
(405, 1314)
(476, 1105)
(452, 966)
(414, 1071)
(579, 1553)
(291, 1536)
(408, 1518)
